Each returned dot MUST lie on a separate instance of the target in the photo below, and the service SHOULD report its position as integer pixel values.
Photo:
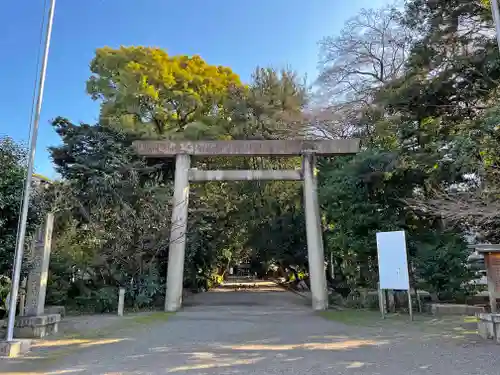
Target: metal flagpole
(21, 233)
(496, 19)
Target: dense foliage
(13, 158)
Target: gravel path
(256, 332)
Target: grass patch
(118, 327)
(422, 323)
(470, 319)
(371, 318)
(154, 317)
(125, 323)
(351, 316)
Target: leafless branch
(475, 208)
(370, 50)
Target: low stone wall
(36, 326)
(488, 326)
(453, 309)
(61, 310)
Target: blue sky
(240, 34)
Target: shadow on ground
(271, 332)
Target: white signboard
(392, 261)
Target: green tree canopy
(151, 93)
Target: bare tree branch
(475, 208)
(371, 50)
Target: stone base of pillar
(488, 326)
(15, 348)
(36, 327)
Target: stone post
(332, 267)
(173, 300)
(121, 301)
(314, 236)
(37, 278)
(22, 297)
(391, 301)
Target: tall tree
(116, 207)
(270, 107)
(370, 51)
(440, 106)
(149, 92)
(454, 68)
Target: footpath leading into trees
(245, 292)
(260, 332)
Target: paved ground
(258, 332)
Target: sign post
(381, 303)
(393, 266)
(410, 305)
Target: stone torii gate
(183, 150)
